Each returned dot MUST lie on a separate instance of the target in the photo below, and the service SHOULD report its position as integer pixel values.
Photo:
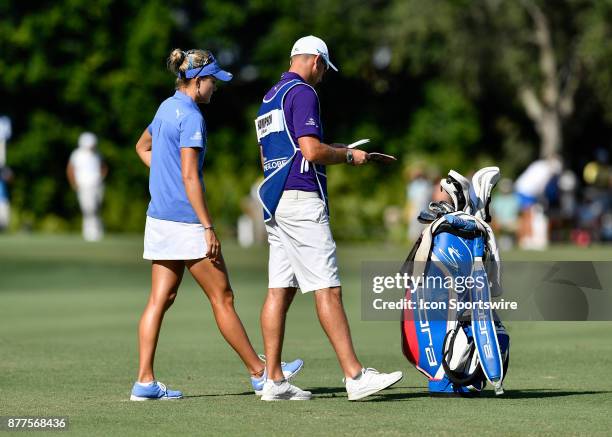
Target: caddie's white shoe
(369, 382)
(284, 391)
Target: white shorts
(166, 239)
(302, 249)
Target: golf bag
(450, 336)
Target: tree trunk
(551, 137)
(553, 103)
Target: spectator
(86, 172)
(418, 195)
(594, 217)
(530, 188)
(251, 228)
(6, 175)
(504, 212)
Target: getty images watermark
(512, 290)
(452, 293)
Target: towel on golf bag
(458, 351)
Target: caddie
(294, 199)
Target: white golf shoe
(283, 391)
(369, 382)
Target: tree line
(440, 84)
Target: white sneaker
(283, 392)
(369, 382)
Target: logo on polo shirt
(196, 136)
(311, 122)
(178, 113)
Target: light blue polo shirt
(178, 123)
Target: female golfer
(179, 230)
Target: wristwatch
(349, 156)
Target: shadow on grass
(535, 393)
(207, 395)
(488, 394)
(319, 392)
(327, 392)
(340, 392)
(393, 394)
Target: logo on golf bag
(451, 257)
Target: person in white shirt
(86, 172)
(529, 188)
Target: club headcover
(483, 182)
(457, 187)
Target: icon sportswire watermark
(555, 291)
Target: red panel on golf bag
(410, 345)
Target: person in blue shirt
(179, 230)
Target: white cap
(311, 45)
(87, 140)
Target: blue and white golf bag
(451, 336)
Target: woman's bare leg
(165, 279)
(213, 279)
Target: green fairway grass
(69, 312)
